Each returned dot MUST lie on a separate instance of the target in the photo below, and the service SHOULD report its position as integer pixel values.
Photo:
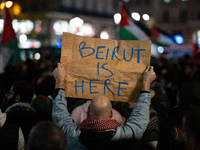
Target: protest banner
(112, 68)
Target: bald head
(100, 108)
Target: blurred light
(38, 28)
(15, 24)
(145, 17)
(16, 9)
(38, 22)
(29, 44)
(22, 38)
(56, 26)
(1, 25)
(64, 26)
(79, 33)
(198, 41)
(77, 22)
(160, 49)
(2, 5)
(60, 27)
(59, 44)
(22, 27)
(9, 4)
(135, 16)
(126, 1)
(117, 18)
(179, 39)
(87, 30)
(167, 1)
(37, 56)
(29, 25)
(104, 35)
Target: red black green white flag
(9, 52)
(161, 37)
(130, 29)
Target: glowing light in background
(16, 9)
(77, 22)
(117, 18)
(104, 35)
(136, 16)
(2, 5)
(87, 30)
(160, 49)
(179, 39)
(29, 26)
(59, 44)
(145, 17)
(1, 25)
(79, 33)
(37, 56)
(9, 4)
(22, 38)
(167, 1)
(22, 27)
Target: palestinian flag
(9, 52)
(130, 29)
(160, 37)
(195, 46)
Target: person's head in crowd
(191, 124)
(100, 108)
(21, 91)
(46, 135)
(47, 85)
(176, 128)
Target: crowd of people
(35, 114)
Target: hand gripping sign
(112, 68)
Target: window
(166, 16)
(198, 14)
(183, 16)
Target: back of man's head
(46, 136)
(24, 90)
(100, 108)
(191, 124)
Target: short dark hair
(45, 135)
(191, 124)
(24, 89)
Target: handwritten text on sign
(103, 67)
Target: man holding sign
(98, 129)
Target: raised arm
(60, 114)
(148, 77)
(59, 75)
(137, 122)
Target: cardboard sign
(104, 67)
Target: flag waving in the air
(9, 52)
(131, 30)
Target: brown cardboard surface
(112, 68)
